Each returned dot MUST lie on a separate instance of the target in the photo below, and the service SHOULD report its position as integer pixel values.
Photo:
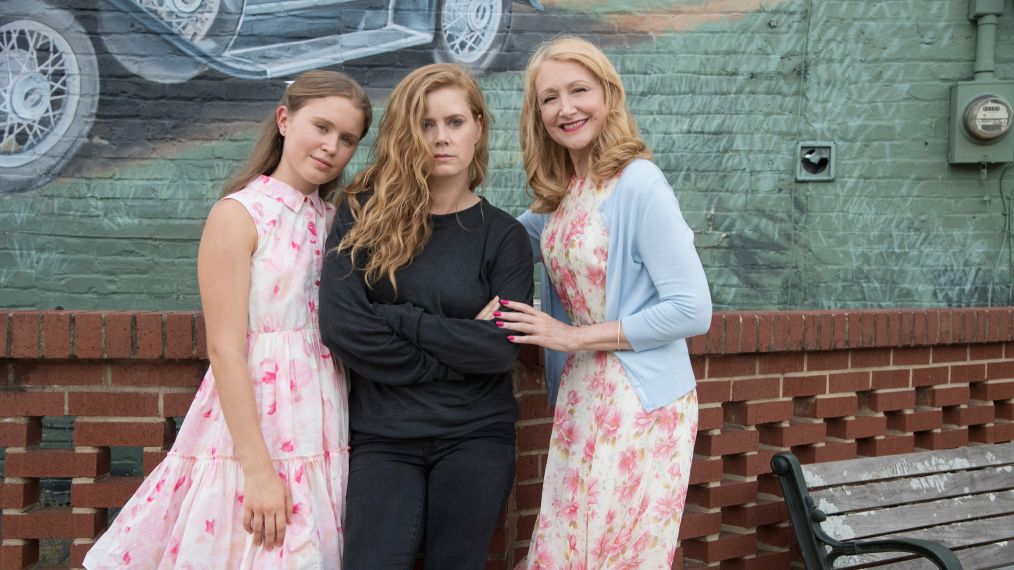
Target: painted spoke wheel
(472, 33)
(48, 92)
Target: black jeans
(446, 492)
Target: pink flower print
(126, 557)
(596, 275)
(544, 522)
(276, 289)
(573, 398)
(272, 408)
(209, 526)
(601, 546)
(570, 511)
(628, 461)
(559, 416)
(127, 529)
(270, 368)
(599, 385)
(665, 448)
(612, 423)
(312, 228)
(287, 447)
(159, 485)
(572, 542)
(265, 179)
(628, 488)
(299, 474)
(620, 540)
(295, 246)
(258, 209)
(239, 498)
(298, 507)
(601, 254)
(572, 481)
(566, 434)
(179, 483)
(644, 420)
(313, 306)
(207, 413)
(641, 544)
(175, 550)
(282, 477)
(669, 507)
(543, 558)
(589, 449)
(668, 420)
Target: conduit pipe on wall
(986, 14)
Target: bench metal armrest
(814, 542)
(934, 551)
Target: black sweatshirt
(421, 366)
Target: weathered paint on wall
(723, 90)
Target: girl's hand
(537, 327)
(267, 507)
(486, 314)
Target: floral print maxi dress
(616, 477)
(188, 513)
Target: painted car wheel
(49, 90)
(141, 52)
(472, 33)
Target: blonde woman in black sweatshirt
(415, 267)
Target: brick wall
(827, 385)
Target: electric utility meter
(987, 118)
(980, 120)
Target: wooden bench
(953, 509)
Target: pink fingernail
(496, 313)
(499, 323)
(504, 301)
(510, 338)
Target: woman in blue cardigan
(623, 288)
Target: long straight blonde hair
(547, 163)
(267, 151)
(390, 200)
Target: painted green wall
(723, 91)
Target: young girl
(623, 289)
(257, 476)
(414, 255)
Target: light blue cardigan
(654, 283)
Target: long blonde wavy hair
(267, 151)
(547, 163)
(390, 200)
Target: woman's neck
(447, 197)
(581, 160)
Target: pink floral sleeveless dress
(616, 476)
(188, 513)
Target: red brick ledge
(180, 335)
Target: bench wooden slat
(894, 521)
(834, 473)
(984, 557)
(834, 500)
(985, 543)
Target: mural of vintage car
(50, 80)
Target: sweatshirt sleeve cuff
(636, 330)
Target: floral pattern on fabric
(616, 476)
(188, 512)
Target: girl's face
(451, 131)
(320, 139)
(572, 104)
